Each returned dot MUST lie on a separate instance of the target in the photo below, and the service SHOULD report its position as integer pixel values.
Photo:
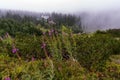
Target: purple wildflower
(14, 50)
(7, 78)
(43, 45)
(56, 32)
(52, 30)
(43, 33)
(33, 59)
(50, 33)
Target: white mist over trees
(101, 20)
(90, 21)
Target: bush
(29, 46)
(69, 70)
(93, 51)
(40, 69)
(114, 32)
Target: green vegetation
(30, 51)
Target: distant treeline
(112, 32)
(15, 22)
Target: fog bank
(102, 20)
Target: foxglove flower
(7, 78)
(14, 50)
(43, 33)
(56, 32)
(43, 45)
(33, 59)
(52, 30)
(50, 33)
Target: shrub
(40, 69)
(29, 46)
(93, 51)
(69, 70)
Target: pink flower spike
(14, 50)
(43, 33)
(33, 59)
(43, 45)
(50, 33)
(52, 30)
(56, 32)
(7, 78)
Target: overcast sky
(60, 5)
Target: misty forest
(58, 46)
